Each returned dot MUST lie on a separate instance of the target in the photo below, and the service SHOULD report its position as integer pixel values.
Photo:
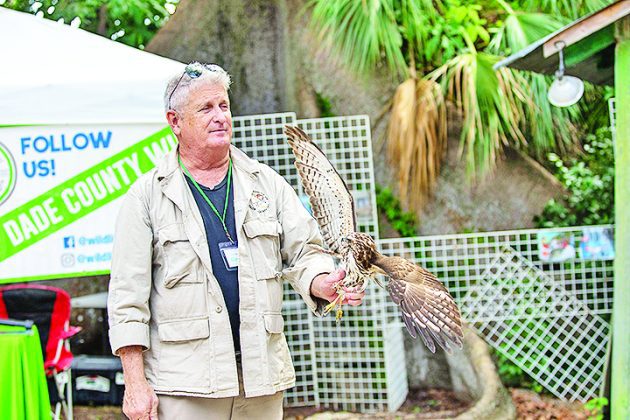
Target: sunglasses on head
(193, 71)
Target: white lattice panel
(575, 312)
(612, 112)
(460, 261)
(262, 138)
(356, 358)
(540, 326)
(358, 364)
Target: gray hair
(178, 88)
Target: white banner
(59, 194)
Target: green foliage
(324, 106)
(596, 408)
(403, 222)
(549, 128)
(132, 22)
(466, 37)
(513, 376)
(458, 41)
(363, 32)
(589, 182)
(459, 28)
(572, 9)
(491, 103)
(595, 108)
(519, 29)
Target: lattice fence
(359, 364)
(550, 318)
(612, 113)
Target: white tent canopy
(52, 73)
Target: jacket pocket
(180, 260)
(274, 323)
(264, 246)
(281, 369)
(184, 354)
(184, 330)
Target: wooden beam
(587, 26)
(620, 366)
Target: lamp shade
(565, 91)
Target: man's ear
(174, 120)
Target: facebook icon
(68, 242)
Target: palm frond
(549, 128)
(362, 32)
(521, 29)
(594, 107)
(417, 139)
(572, 9)
(366, 32)
(492, 104)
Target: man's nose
(219, 116)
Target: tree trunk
(102, 21)
(278, 65)
(246, 37)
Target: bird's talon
(329, 307)
(339, 314)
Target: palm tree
(445, 50)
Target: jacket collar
(245, 172)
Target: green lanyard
(203, 194)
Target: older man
(203, 244)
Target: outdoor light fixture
(565, 90)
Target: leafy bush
(513, 376)
(403, 222)
(589, 182)
(456, 29)
(596, 408)
(131, 22)
(324, 105)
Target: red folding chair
(49, 308)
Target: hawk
(428, 310)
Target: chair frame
(62, 378)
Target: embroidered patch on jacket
(259, 202)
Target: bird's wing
(427, 308)
(330, 199)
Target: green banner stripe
(80, 195)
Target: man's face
(206, 119)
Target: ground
(530, 406)
(420, 404)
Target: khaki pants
(268, 407)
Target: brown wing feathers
(427, 308)
(330, 199)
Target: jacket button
(219, 309)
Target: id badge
(229, 253)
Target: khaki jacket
(164, 297)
